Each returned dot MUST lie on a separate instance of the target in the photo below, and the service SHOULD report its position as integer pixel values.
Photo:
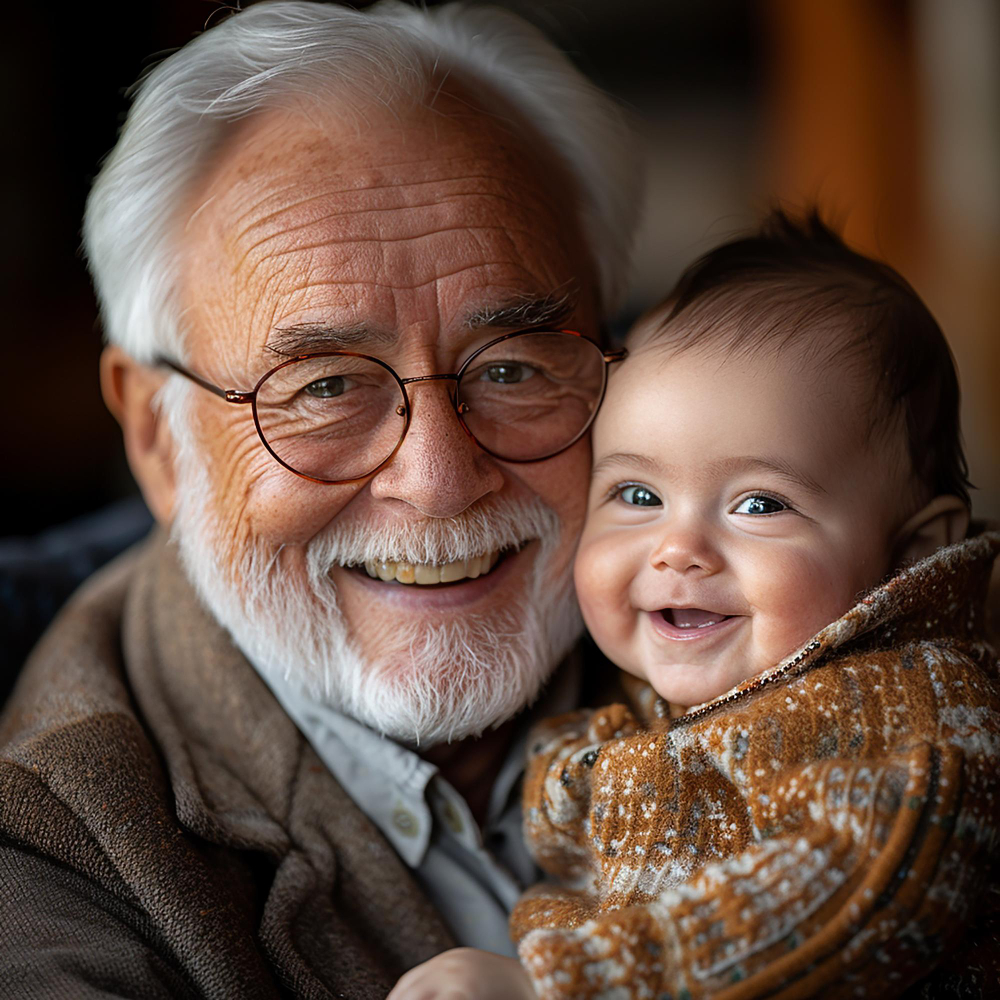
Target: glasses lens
(331, 418)
(530, 396)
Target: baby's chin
(687, 685)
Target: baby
(791, 807)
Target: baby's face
(737, 506)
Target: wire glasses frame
(404, 409)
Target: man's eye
(640, 496)
(760, 505)
(508, 371)
(325, 388)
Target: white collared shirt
(473, 877)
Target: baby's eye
(640, 496)
(760, 505)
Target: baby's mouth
(692, 618)
(684, 624)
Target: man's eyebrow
(524, 311)
(521, 312)
(309, 338)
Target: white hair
(290, 49)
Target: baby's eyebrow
(768, 463)
(617, 458)
(721, 467)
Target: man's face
(415, 237)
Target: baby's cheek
(798, 599)
(602, 582)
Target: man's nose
(439, 469)
(686, 546)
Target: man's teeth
(423, 573)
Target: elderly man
(352, 268)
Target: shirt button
(405, 822)
(452, 817)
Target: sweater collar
(939, 598)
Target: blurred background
(884, 112)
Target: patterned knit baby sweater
(827, 828)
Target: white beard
(437, 680)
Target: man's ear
(944, 521)
(129, 388)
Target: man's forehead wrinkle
(458, 212)
(504, 275)
(281, 214)
(368, 283)
(360, 261)
(249, 220)
(363, 214)
(384, 241)
(449, 198)
(359, 172)
(269, 292)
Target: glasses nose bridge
(459, 408)
(438, 377)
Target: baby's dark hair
(792, 280)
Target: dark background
(862, 104)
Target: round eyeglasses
(337, 417)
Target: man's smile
(421, 594)
(426, 574)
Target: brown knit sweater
(826, 829)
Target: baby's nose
(686, 549)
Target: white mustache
(484, 528)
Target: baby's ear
(944, 521)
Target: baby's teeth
(453, 571)
(386, 570)
(428, 574)
(370, 570)
(405, 573)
